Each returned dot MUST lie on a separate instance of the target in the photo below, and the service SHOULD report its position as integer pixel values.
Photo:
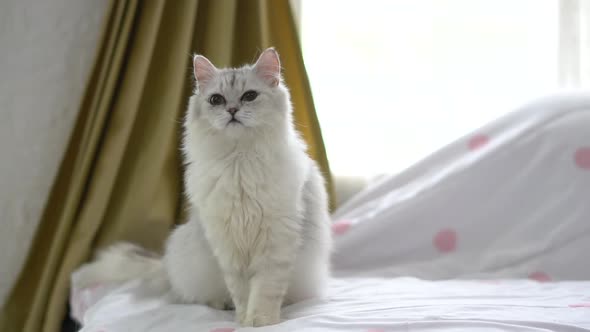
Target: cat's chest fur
(239, 196)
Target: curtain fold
(120, 178)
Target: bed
(491, 233)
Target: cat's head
(234, 101)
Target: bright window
(395, 80)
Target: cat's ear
(204, 70)
(268, 67)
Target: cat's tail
(120, 263)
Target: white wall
(47, 50)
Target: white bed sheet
(366, 304)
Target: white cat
(259, 232)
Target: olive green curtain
(120, 178)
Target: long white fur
(258, 235)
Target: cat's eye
(216, 99)
(249, 95)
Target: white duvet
(504, 212)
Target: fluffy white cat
(259, 231)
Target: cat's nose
(232, 111)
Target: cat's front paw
(241, 316)
(261, 319)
